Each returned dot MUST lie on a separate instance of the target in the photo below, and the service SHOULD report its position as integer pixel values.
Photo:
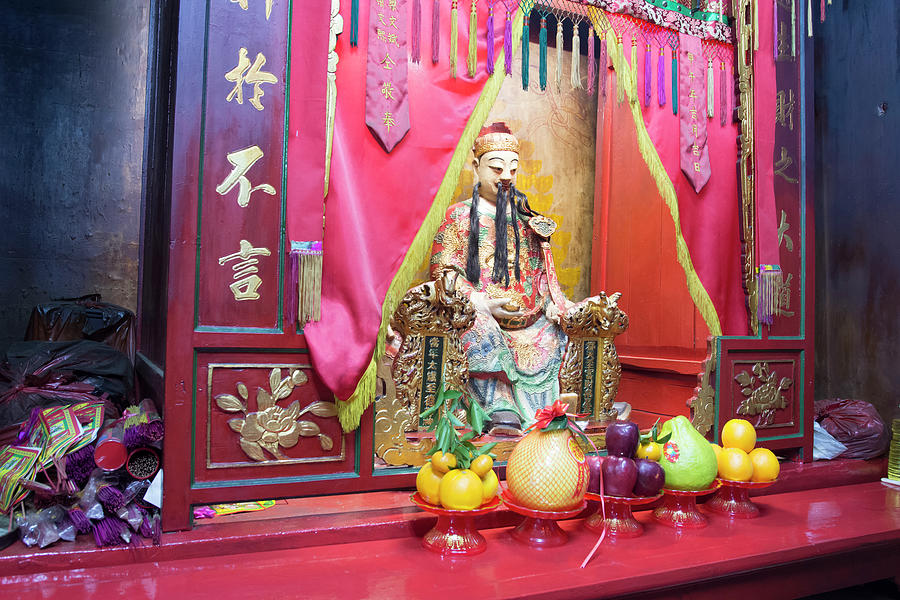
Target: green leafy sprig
(653, 436)
(445, 422)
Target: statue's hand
(500, 310)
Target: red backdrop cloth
(378, 201)
(710, 220)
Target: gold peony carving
(273, 427)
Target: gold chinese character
(246, 281)
(690, 56)
(694, 115)
(388, 63)
(434, 342)
(392, 4)
(693, 93)
(393, 22)
(783, 226)
(381, 19)
(393, 39)
(389, 120)
(784, 109)
(694, 129)
(783, 299)
(431, 377)
(387, 90)
(243, 4)
(695, 150)
(784, 40)
(380, 34)
(242, 160)
(782, 164)
(256, 76)
(697, 167)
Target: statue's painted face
(494, 169)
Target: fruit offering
(688, 458)
(738, 460)
(547, 469)
(628, 471)
(459, 475)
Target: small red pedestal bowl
(620, 521)
(539, 528)
(454, 534)
(679, 508)
(733, 498)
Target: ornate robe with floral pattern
(513, 365)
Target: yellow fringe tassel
(617, 58)
(666, 189)
(633, 87)
(309, 288)
(454, 37)
(350, 412)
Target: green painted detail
(206, 485)
(193, 415)
(200, 174)
(223, 329)
(282, 230)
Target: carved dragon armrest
(590, 367)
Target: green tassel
(674, 82)
(472, 62)
(525, 35)
(542, 67)
(354, 23)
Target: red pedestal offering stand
(454, 534)
(679, 508)
(539, 528)
(733, 498)
(620, 520)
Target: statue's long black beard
(500, 274)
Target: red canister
(109, 451)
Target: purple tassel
(648, 75)
(111, 498)
(723, 97)
(436, 32)
(489, 35)
(603, 67)
(507, 43)
(108, 532)
(661, 78)
(79, 465)
(591, 65)
(415, 35)
(80, 520)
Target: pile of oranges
(739, 460)
(441, 483)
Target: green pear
(687, 458)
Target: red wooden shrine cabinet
(235, 367)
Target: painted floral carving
(273, 427)
(762, 390)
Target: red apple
(619, 476)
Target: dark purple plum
(650, 477)
(594, 464)
(619, 476)
(622, 438)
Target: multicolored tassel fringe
(767, 286)
(436, 32)
(472, 58)
(415, 35)
(661, 77)
(489, 38)
(454, 36)
(575, 71)
(591, 67)
(507, 43)
(354, 23)
(648, 75)
(542, 55)
(306, 263)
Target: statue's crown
(495, 137)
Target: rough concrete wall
(857, 120)
(72, 85)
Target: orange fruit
(461, 489)
(717, 449)
(428, 484)
(739, 433)
(765, 465)
(482, 464)
(650, 451)
(489, 485)
(443, 461)
(735, 465)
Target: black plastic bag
(856, 424)
(44, 374)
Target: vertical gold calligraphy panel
(240, 261)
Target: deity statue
(500, 247)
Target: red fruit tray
(619, 520)
(679, 508)
(733, 498)
(539, 528)
(454, 534)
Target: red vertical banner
(692, 90)
(387, 86)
